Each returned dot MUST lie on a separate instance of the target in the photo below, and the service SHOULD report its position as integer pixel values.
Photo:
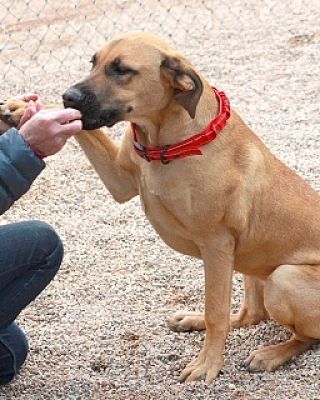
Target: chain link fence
(53, 34)
(265, 53)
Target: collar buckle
(142, 149)
(163, 155)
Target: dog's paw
(266, 359)
(271, 357)
(185, 321)
(201, 369)
(11, 111)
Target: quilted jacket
(19, 167)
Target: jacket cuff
(20, 155)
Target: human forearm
(19, 167)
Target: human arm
(19, 167)
(44, 134)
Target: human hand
(26, 112)
(48, 130)
(31, 110)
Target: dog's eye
(119, 69)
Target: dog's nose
(73, 97)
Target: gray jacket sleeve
(19, 167)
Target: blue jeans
(31, 253)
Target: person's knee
(50, 244)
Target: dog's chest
(168, 204)
(169, 226)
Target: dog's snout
(73, 97)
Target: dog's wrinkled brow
(118, 68)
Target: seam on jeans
(46, 260)
(33, 264)
(16, 293)
(40, 260)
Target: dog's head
(133, 77)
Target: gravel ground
(99, 331)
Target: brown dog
(235, 206)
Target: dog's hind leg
(292, 298)
(252, 309)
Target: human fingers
(25, 117)
(64, 115)
(29, 113)
(28, 97)
(71, 128)
(39, 105)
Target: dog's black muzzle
(93, 116)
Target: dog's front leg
(218, 256)
(106, 158)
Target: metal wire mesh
(53, 34)
(263, 52)
(45, 36)
(242, 44)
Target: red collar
(188, 147)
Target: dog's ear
(185, 81)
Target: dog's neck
(174, 124)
